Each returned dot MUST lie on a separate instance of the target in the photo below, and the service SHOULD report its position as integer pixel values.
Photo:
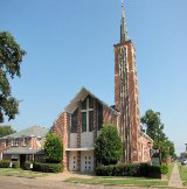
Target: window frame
(74, 121)
(87, 111)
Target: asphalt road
(10, 182)
(27, 183)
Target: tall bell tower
(126, 92)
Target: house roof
(146, 136)
(22, 150)
(34, 131)
(81, 95)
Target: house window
(7, 143)
(14, 157)
(87, 115)
(24, 142)
(74, 121)
(15, 142)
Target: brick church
(80, 123)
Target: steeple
(123, 29)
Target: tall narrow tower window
(87, 115)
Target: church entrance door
(73, 166)
(87, 161)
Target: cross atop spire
(123, 29)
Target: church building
(80, 123)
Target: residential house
(25, 145)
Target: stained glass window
(91, 121)
(84, 104)
(84, 120)
(87, 115)
(90, 102)
(74, 122)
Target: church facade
(80, 123)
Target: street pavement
(175, 180)
(27, 183)
(57, 182)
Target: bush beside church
(53, 150)
(108, 152)
(108, 147)
(134, 170)
(52, 162)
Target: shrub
(144, 169)
(27, 165)
(154, 172)
(164, 169)
(7, 164)
(48, 167)
(4, 164)
(53, 149)
(108, 148)
(15, 164)
(138, 170)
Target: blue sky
(69, 44)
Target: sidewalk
(175, 180)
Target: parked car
(184, 162)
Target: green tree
(155, 129)
(171, 149)
(11, 56)
(6, 130)
(53, 149)
(108, 148)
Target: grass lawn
(183, 173)
(130, 181)
(20, 173)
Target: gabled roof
(34, 131)
(81, 95)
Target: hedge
(15, 164)
(164, 169)
(48, 167)
(136, 170)
(6, 164)
(27, 165)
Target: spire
(123, 30)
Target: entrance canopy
(79, 149)
(22, 150)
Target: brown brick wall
(145, 146)
(109, 116)
(61, 128)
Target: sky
(69, 44)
